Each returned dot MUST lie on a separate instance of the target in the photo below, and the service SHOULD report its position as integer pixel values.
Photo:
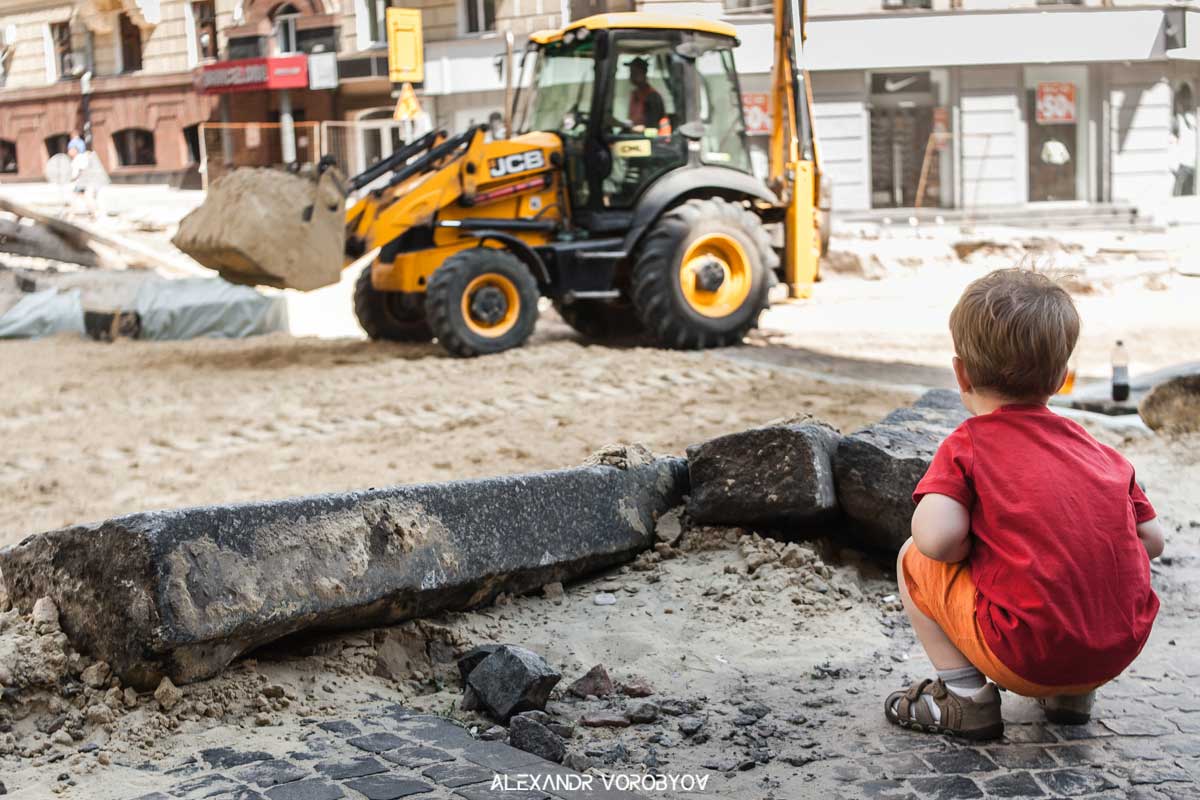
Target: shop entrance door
(1053, 150)
(899, 139)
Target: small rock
(595, 683)
(471, 659)
(756, 710)
(641, 712)
(262, 720)
(45, 615)
(96, 676)
(604, 719)
(130, 698)
(99, 714)
(496, 733)
(60, 736)
(577, 761)
(669, 527)
(604, 599)
(637, 687)
(526, 733)
(511, 680)
(554, 593)
(690, 725)
(167, 694)
(273, 691)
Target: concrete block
(877, 468)
(776, 475)
(182, 593)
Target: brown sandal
(976, 717)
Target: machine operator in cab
(646, 108)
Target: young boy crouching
(1029, 558)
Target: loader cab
(631, 103)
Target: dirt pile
(263, 226)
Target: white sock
(963, 681)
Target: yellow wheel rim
(491, 305)
(715, 275)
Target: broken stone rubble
(1173, 406)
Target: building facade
(999, 103)
(937, 103)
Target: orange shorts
(946, 594)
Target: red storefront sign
(253, 74)
(1055, 103)
(756, 108)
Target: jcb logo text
(517, 162)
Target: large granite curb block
(181, 593)
(877, 468)
(1173, 406)
(776, 475)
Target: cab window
(724, 139)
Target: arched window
(135, 147)
(8, 156)
(284, 19)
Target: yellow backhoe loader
(626, 195)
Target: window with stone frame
(8, 156)
(135, 147)
(479, 16)
(204, 14)
(131, 45)
(64, 56)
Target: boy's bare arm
(941, 528)
(1151, 534)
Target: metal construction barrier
(224, 146)
(354, 146)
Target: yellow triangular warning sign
(407, 106)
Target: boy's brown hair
(1014, 330)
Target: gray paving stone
(226, 757)
(379, 742)
(426, 729)
(455, 774)
(342, 727)
(1079, 755)
(957, 762)
(1074, 782)
(1158, 772)
(314, 789)
(417, 756)
(388, 787)
(499, 757)
(1139, 726)
(946, 787)
(885, 789)
(1022, 757)
(270, 773)
(204, 786)
(1073, 733)
(1187, 723)
(902, 765)
(1013, 784)
(244, 793)
(487, 793)
(1036, 733)
(350, 768)
(153, 796)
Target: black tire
(392, 316)
(463, 334)
(601, 319)
(659, 296)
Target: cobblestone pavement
(1143, 741)
(384, 753)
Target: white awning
(965, 38)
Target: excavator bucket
(271, 228)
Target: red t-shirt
(1062, 581)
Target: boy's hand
(1151, 534)
(941, 528)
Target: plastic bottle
(1120, 373)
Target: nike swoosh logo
(895, 86)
